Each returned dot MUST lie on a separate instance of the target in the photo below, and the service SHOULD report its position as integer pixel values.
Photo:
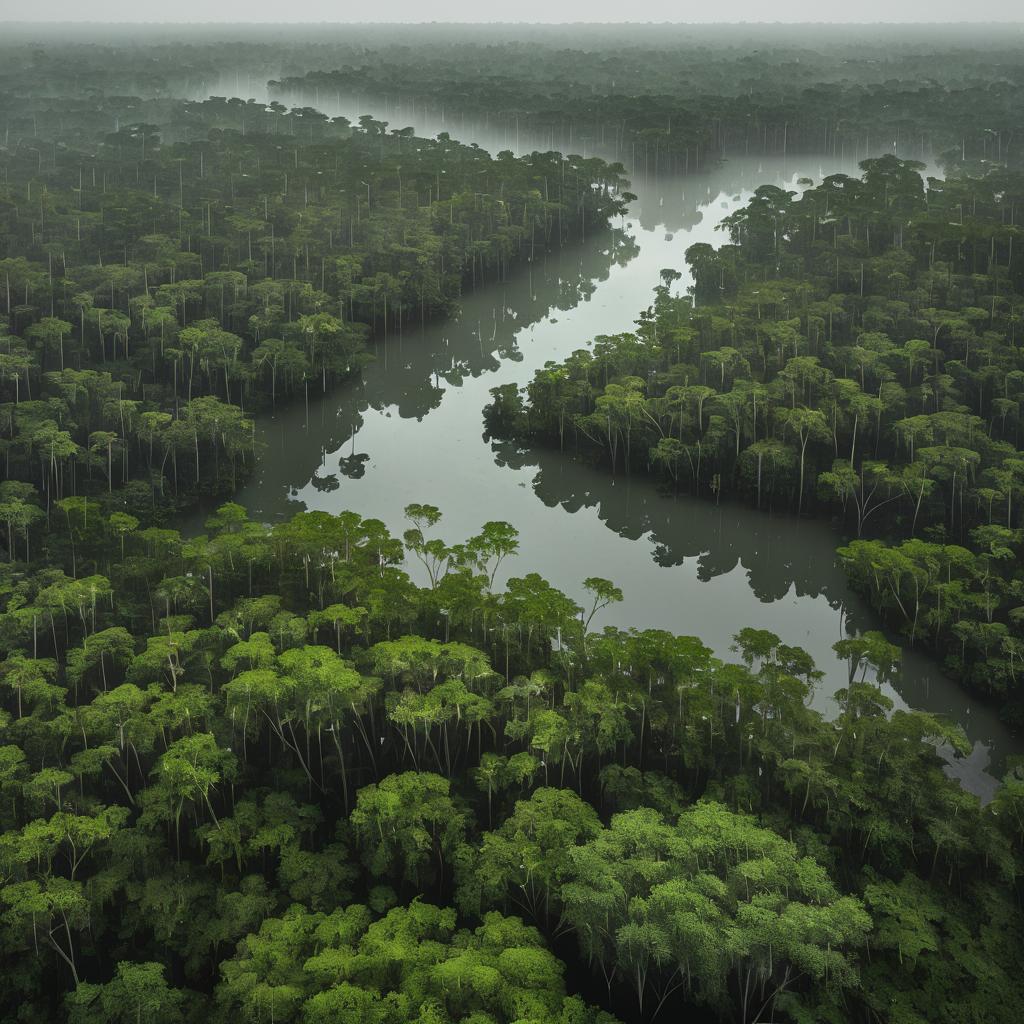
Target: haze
(314, 11)
(511, 520)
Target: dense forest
(155, 293)
(692, 123)
(323, 770)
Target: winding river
(411, 430)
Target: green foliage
(259, 773)
(411, 964)
(209, 777)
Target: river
(410, 430)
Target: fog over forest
(511, 523)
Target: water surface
(411, 430)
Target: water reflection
(759, 569)
(414, 371)
(717, 539)
(411, 430)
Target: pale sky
(340, 11)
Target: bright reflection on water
(411, 430)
